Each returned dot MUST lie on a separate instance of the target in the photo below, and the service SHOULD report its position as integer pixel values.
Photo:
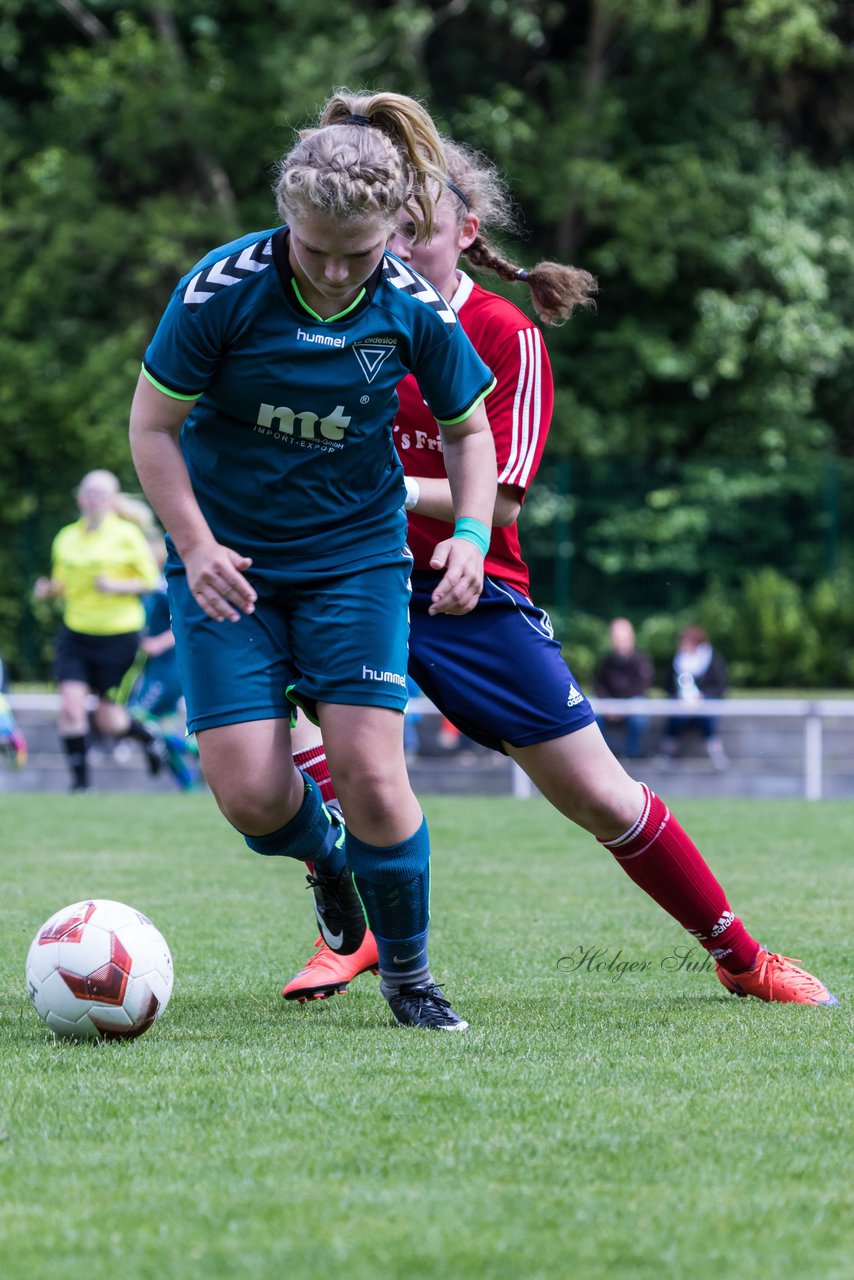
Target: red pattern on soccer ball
(69, 930)
(108, 984)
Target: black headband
(364, 121)
(461, 195)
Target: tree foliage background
(694, 154)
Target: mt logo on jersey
(303, 423)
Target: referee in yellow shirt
(101, 565)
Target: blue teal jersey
(289, 445)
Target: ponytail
(370, 155)
(556, 289)
(410, 128)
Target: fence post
(813, 754)
(523, 787)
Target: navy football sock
(313, 834)
(394, 885)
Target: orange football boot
(327, 973)
(775, 977)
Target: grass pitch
(613, 1112)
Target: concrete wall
(766, 759)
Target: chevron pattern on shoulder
(230, 270)
(411, 282)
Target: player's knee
(374, 791)
(251, 809)
(607, 811)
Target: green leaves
(692, 153)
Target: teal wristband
(474, 531)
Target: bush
(771, 632)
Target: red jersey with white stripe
(519, 410)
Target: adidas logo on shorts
(574, 697)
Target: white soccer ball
(99, 970)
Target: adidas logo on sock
(723, 924)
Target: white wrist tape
(413, 493)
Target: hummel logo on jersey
(230, 270)
(320, 339)
(304, 423)
(574, 697)
(371, 355)
(410, 281)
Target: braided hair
(368, 157)
(556, 290)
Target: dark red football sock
(313, 762)
(663, 861)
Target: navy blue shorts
(99, 661)
(497, 673)
(316, 635)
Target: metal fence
(610, 536)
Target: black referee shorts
(99, 661)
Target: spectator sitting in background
(624, 672)
(698, 671)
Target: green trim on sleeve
(167, 391)
(450, 422)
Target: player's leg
(326, 972)
(241, 727)
(310, 755)
(280, 813)
(155, 699)
(112, 660)
(580, 777)
(72, 677)
(73, 730)
(498, 673)
(388, 851)
(13, 744)
(352, 678)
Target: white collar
(463, 292)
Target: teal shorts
(315, 636)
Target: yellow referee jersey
(117, 549)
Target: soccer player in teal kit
(262, 433)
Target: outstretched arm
(435, 501)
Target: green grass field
(593, 1122)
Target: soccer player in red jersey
(497, 672)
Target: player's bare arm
(434, 500)
(214, 572)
